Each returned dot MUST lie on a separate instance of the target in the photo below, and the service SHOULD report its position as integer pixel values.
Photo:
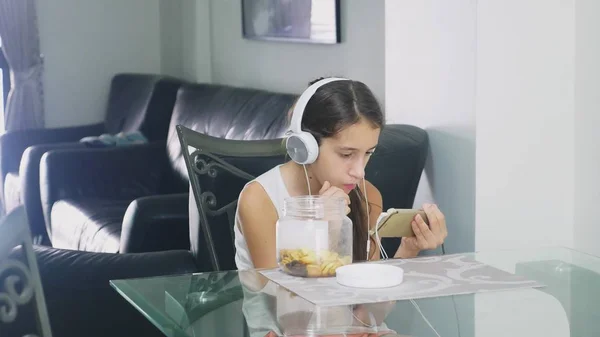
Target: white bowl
(369, 275)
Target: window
(4, 85)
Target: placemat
(423, 277)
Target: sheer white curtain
(20, 43)
(3, 74)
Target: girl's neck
(295, 178)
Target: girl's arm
(375, 209)
(258, 219)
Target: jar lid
(369, 275)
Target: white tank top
(272, 183)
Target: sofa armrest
(29, 174)
(156, 223)
(14, 143)
(127, 172)
(80, 300)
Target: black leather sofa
(134, 199)
(136, 102)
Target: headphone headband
(296, 122)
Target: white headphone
(301, 146)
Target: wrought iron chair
(20, 285)
(218, 170)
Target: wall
(587, 119)
(84, 44)
(430, 82)
(525, 120)
(196, 46)
(534, 85)
(171, 36)
(288, 67)
(526, 139)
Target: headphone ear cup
(302, 148)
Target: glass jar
(314, 236)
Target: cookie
(307, 263)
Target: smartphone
(398, 225)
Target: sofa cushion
(224, 112)
(141, 102)
(88, 224)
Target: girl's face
(343, 157)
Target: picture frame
(296, 21)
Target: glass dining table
(246, 303)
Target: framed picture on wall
(307, 21)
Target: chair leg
(43, 320)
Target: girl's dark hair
(333, 107)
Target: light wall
(288, 67)
(84, 44)
(525, 123)
(430, 82)
(196, 45)
(510, 105)
(587, 120)
(171, 36)
(530, 70)
(537, 109)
